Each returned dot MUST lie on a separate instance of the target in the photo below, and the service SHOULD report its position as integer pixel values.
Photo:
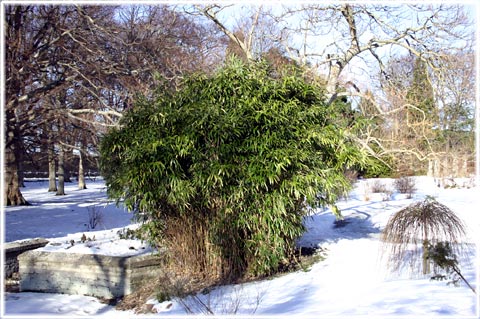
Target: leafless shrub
(95, 216)
(405, 185)
(410, 231)
(351, 175)
(377, 186)
(226, 300)
(387, 195)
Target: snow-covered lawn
(352, 281)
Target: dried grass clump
(411, 230)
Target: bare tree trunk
(332, 83)
(436, 168)
(465, 165)
(20, 151)
(455, 167)
(61, 172)
(13, 196)
(81, 172)
(52, 180)
(431, 171)
(426, 261)
(447, 167)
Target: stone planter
(84, 274)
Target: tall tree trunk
(66, 172)
(438, 167)
(81, 172)
(21, 155)
(332, 82)
(61, 172)
(455, 167)
(465, 165)
(21, 173)
(13, 195)
(425, 260)
(430, 170)
(52, 180)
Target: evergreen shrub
(224, 170)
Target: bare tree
(41, 55)
(350, 46)
(94, 59)
(24, 81)
(251, 36)
(369, 35)
(456, 106)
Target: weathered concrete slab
(85, 274)
(13, 249)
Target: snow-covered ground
(351, 282)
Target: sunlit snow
(352, 281)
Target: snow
(58, 216)
(105, 245)
(351, 282)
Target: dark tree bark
(82, 65)
(13, 195)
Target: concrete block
(13, 249)
(85, 274)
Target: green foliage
(357, 121)
(241, 154)
(442, 255)
(420, 93)
(380, 168)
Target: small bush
(95, 216)
(377, 186)
(405, 185)
(387, 195)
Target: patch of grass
(307, 262)
(306, 257)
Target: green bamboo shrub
(227, 167)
